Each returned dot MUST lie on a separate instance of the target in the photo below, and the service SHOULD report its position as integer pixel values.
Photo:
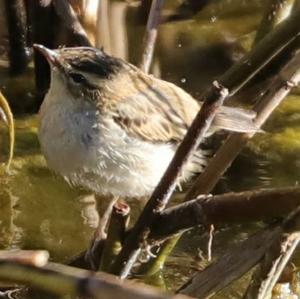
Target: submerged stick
(151, 34)
(61, 280)
(230, 82)
(37, 258)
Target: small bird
(109, 127)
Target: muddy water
(39, 210)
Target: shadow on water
(39, 210)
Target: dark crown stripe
(102, 65)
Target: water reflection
(10, 233)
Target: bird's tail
(235, 120)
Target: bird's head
(83, 71)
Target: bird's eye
(77, 78)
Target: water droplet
(213, 19)
(183, 80)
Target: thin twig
(228, 208)
(103, 32)
(151, 34)
(209, 243)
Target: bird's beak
(50, 55)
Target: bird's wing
(159, 111)
(234, 119)
(154, 110)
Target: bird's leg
(100, 232)
(92, 256)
